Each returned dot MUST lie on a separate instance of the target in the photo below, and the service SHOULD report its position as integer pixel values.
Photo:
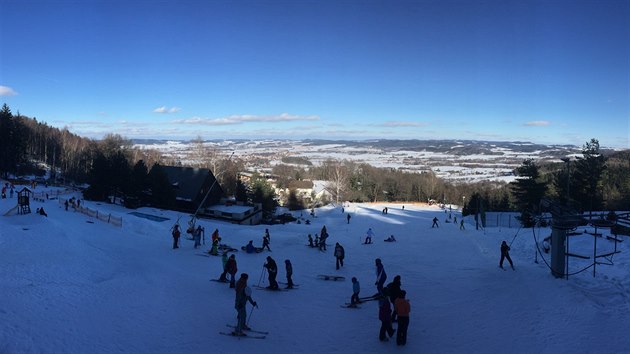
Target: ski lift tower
(563, 219)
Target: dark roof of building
(188, 181)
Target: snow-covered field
(73, 284)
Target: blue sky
(543, 71)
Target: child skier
(356, 289)
(272, 269)
(243, 295)
(176, 233)
(289, 269)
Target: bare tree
(338, 180)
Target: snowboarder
(272, 269)
(243, 295)
(381, 276)
(402, 307)
(249, 248)
(368, 236)
(393, 289)
(348, 217)
(176, 233)
(310, 241)
(356, 289)
(42, 212)
(505, 254)
(289, 269)
(231, 267)
(435, 223)
(339, 254)
(265, 243)
(391, 238)
(384, 314)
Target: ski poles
(250, 315)
(261, 276)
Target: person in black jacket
(272, 269)
(505, 254)
(339, 254)
(393, 290)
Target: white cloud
(245, 118)
(395, 124)
(163, 109)
(537, 123)
(7, 91)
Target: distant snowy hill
(456, 160)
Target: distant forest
(595, 181)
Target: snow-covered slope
(73, 284)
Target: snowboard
(348, 306)
(330, 277)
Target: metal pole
(594, 251)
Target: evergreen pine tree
(528, 190)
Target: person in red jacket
(402, 308)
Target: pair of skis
(257, 335)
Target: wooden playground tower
(24, 204)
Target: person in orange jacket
(402, 308)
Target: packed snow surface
(74, 284)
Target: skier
(215, 248)
(356, 289)
(267, 234)
(231, 268)
(324, 232)
(265, 243)
(461, 225)
(435, 223)
(224, 260)
(505, 254)
(368, 236)
(215, 235)
(381, 276)
(272, 269)
(316, 240)
(197, 236)
(310, 241)
(348, 217)
(384, 314)
(322, 239)
(243, 295)
(176, 233)
(289, 268)
(402, 307)
(339, 254)
(393, 289)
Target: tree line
(113, 167)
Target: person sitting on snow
(391, 238)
